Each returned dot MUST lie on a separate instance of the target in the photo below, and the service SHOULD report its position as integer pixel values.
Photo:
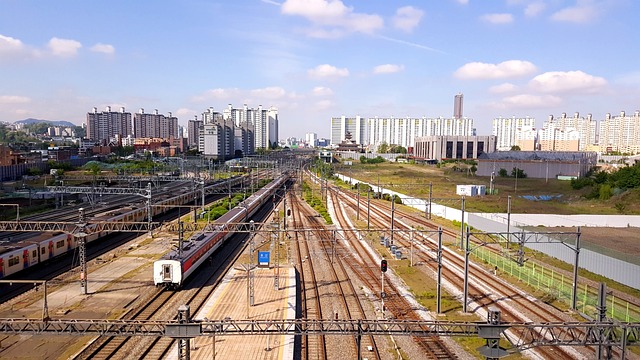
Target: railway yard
(381, 282)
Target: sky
(317, 59)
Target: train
(173, 269)
(39, 251)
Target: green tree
(93, 168)
(503, 173)
(383, 148)
(519, 173)
(605, 192)
(515, 148)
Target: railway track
(394, 302)
(352, 307)
(485, 289)
(313, 347)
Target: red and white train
(175, 267)
(39, 251)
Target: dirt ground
(623, 240)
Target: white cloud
(327, 71)
(10, 45)
(103, 48)
(322, 91)
(12, 48)
(331, 18)
(583, 12)
(184, 113)
(527, 101)
(569, 81)
(64, 47)
(407, 18)
(269, 93)
(388, 69)
(534, 9)
(503, 88)
(506, 69)
(14, 99)
(503, 18)
(462, 2)
(216, 94)
(323, 105)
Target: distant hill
(52, 122)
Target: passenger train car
(175, 267)
(39, 251)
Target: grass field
(414, 180)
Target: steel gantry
(615, 334)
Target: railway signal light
(383, 265)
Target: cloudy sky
(314, 59)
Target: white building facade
(375, 131)
(508, 130)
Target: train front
(167, 273)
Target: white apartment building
(508, 130)
(397, 131)
(104, 126)
(216, 135)
(311, 139)
(356, 126)
(620, 133)
(263, 121)
(586, 127)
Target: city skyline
(318, 59)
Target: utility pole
(462, 225)
(358, 208)
(368, 208)
(82, 251)
(508, 221)
(393, 212)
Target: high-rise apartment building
(585, 127)
(263, 121)
(508, 130)
(375, 131)
(356, 126)
(193, 129)
(216, 136)
(620, 133)
(107, 125)
(457, 106)
(404, 131)
(311, 139)
(154, 125)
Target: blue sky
(313, 59)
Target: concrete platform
(230, 300)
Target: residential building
(620, 133)
(104, 126)
(154, 125)
(508, 130)
(263, 121)
(311, 139)
(356, 126)
(403, 132)
(193, 129)
(586, 128)
(216, 136)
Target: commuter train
(174, 268)
(39, 251)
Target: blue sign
(263, 258)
